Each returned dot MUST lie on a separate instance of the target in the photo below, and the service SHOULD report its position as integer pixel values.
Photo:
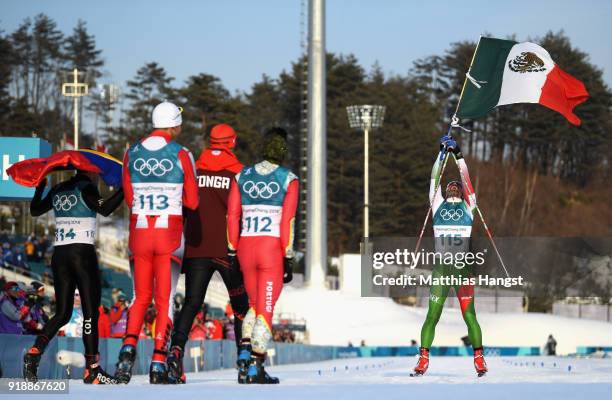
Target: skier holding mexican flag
(502, 72)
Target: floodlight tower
(366, 118)
(75, 89)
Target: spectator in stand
(228, 328)
(229, 312)
(115, 294)
(30, 248)
(46, 278)
(7, 254)
(179, 300)
(16, 258)
(148, 329)
(35, 300)
(104, 324)
(74, 327)
(41, 247)
(118, 316)
(13, 311)
(214, 329)
(198, 329)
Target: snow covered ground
(385, 378)
(334, 318)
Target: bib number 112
(258, 224)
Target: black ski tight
(198, 272)
(74, 266)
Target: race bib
(69, 230)
(157, 198)
(261, 220)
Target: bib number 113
(153, 202)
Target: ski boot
(95, 375)
(256, 372)
(127, 357)
(30, 364)
(176, 374)
(244, 356)
(158, 373)
(423, 362)
(479, 362)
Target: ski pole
(489, 234)
(492, 241)
(431, 205)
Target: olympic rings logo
(153, 166)
(64, 202)
(454, 215)
(261, 190)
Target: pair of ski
(415, 374)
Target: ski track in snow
(383, 378)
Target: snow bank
(335, 318)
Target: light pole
(366, 118)
(75, 89)
(316, 181)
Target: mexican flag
(508, 72)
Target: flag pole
(454, 117)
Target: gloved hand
(443, 141)
(288, 264)
(233, 259)
(450, 144)
(454, 148)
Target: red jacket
(103, 324)
(205, 228)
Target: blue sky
(241, 40)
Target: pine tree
(150, 86)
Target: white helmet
(167, 115)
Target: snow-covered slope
(382, 378)
(335, 318)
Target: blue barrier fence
(593, 349)
(209, 355)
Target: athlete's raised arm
(468, 190)
(38, 205)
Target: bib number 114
(61, 234)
